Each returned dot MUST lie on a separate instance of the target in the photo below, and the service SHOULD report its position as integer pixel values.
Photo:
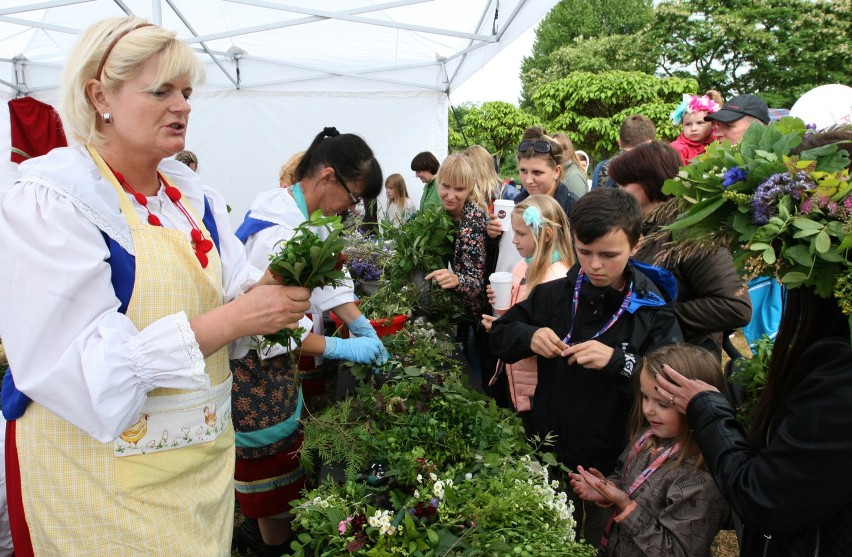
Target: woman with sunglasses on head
(122, 290)
(540, 166)
(333, 175)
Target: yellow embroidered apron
(171, 497)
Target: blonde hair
(553, 219)
(125, 61)
(287, 174)
(568, 149)
(487, 179)
(398, 183)
(692, 362)
(457, 170)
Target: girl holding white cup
(542, 238)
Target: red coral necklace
(200, 244)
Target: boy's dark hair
(649, 165)
(603, 210)
(635, 130)
(425, 161)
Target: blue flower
(765, 201)
(734, 175)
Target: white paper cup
(501, 283)
(503, 209)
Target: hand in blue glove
(362, 350)
(361, 328)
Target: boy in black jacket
(588, 330)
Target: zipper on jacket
(766, 544)
(816, 548)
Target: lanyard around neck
(646, 473)
(575, 302)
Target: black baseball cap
(739, 106)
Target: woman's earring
(107, 118)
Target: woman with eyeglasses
(333, 175)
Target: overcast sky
(499, 79)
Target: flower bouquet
(366, 257)
(782, 214)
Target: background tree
(496, 125)
(586, 19)
(590, 107)
(778, 49)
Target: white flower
(419, 478)
(468, 476)
(417, 494)
(683, 174)
(432, 476)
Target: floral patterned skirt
(266, 395)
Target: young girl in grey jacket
(663, 498)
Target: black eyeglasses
(352, 197)
(539, 146)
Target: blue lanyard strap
(575, 302)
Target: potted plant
(366, 258)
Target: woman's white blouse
(68, 347)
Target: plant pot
(368, 287)
(424, 287)
(383, 327)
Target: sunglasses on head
(539, 146)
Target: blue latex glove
(362, 350)
(361, 328)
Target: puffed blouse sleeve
(69, 348)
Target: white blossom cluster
(381, 520)
(551, 498)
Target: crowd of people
(138, 392)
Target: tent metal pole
(41, 6)
(204, 46)
(157, 12)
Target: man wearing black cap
(737, 115)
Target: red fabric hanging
(36, 128)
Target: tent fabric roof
(287, 45)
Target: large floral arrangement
(429, 468)
(781, 214)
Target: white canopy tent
(279, 71)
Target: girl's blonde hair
(568, 149)
(124, 62)
(693, 362)
(287, 174)
(457, 170)
(487, 179)
(398, 183)
(547, 210)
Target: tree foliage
(778, 49)
(591, 106)
(497, 126)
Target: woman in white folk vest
(122, 288)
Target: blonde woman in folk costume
(126, 290)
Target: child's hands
(547, 343)
(491, 296)
(591, 485)
(445, 278)
(487, 320)
(590, 354)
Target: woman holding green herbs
(465, 273)
(786, 478)
(334, 174)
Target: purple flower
(767, 194)
(734, 175)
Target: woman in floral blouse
(466, 271)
